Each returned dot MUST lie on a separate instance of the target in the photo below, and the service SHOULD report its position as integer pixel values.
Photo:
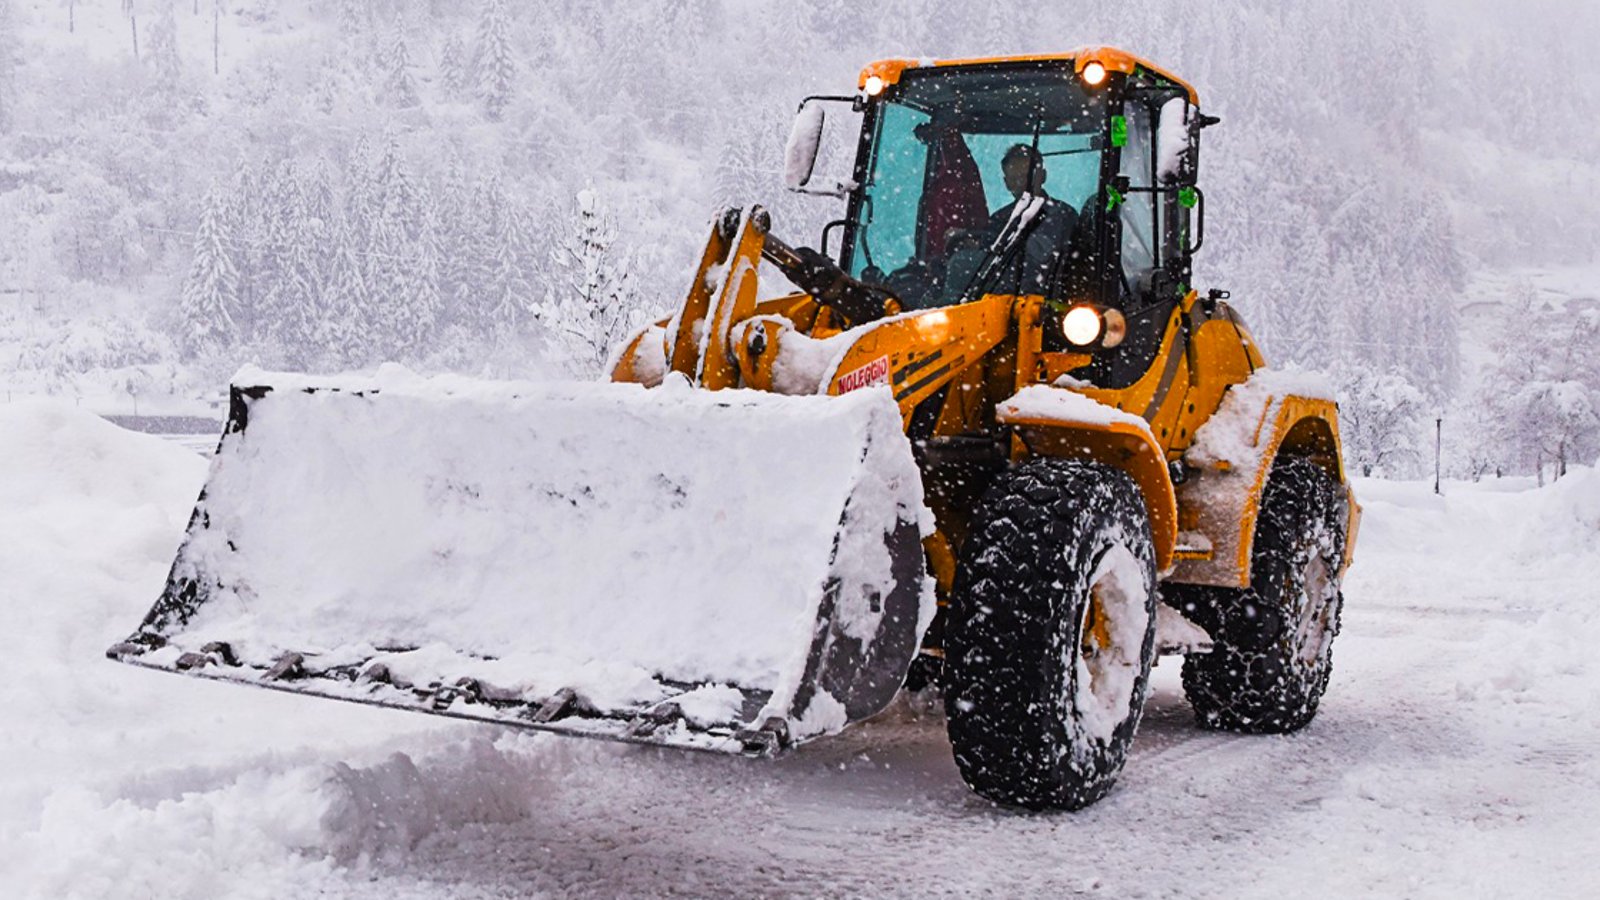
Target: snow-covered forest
(504, 187)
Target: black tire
(1273, 652)
(1041, 704)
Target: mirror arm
(827, 230)
(825, 98)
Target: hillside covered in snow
(504, 187)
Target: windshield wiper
(1025, 214)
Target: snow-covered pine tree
(494, 62)
(362, 201)
(288, 307)
(402, 273)
(419, 306)
(210, 292)
(452, 67)
(395, 191)
(592, 305)
(507, 296)
(343, 332)
(454, 234)
(243, 223)
(400, 89)
(471, 263)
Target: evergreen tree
(210, 293)
(504, 299)
(399, 87)
(453, 235)
(495, 67)
(452, 68)
(288, 305)
(244, 225)
(344, 327)
(423, 303)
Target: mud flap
(730, 571)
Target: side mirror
(1177, 143)
(805, 139)
(804, 146)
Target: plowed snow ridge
(1456, 752)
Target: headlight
(873, 85)
(1081, 325)
(1093, 74)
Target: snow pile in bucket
(548, 536)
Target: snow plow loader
(995, 443)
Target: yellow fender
(1267, 416)
(1051, 421)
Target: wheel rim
(1111, 642)
(1316, 612)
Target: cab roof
(1113, 59)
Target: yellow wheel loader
(995, 443)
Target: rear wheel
(1273, 650)
(1050, 635)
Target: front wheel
(1051, 635)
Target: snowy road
(1456, 753)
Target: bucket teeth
(440, 696)
(222, 651)
(648, 722)
(137, 645)
(289, 666)
(189, 661)
(559, 704)
(768, 740)
(378, 673)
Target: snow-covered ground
(1457, 752)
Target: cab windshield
(954, 151)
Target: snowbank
(1454, 754)
(116, 782)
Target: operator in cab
(1046, 225)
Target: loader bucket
(729, 571)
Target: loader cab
(931, 216)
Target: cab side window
(1138, 207)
